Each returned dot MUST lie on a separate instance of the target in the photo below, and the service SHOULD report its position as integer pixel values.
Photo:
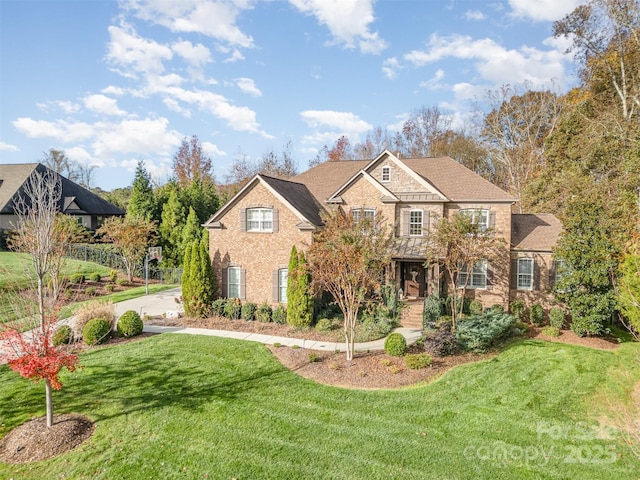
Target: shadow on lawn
(154, 380)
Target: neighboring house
(251, 236)
(89, 209)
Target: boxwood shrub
(232, 308)
(264, 312)
(416, 361)
(279, 315)
(248, 311)
(395, 345)
(536, 314)
(96, 331)
(556, 317)
(62, 336)
(95, 277)
(217, 307)
(478, 333)
(130, 324)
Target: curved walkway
(161, 303)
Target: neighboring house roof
(75, 199)
(455, 181)
(535, 231)
(296, 195)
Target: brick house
(251, 236)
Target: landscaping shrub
(113, 276)
(314, 357)
(465, 304)
(395, 345)
(248, 311)
(109, 288)
(93, 309)
(323, 325)
(416, 361)
(372, 329)
(475, 307)
(123, 282)
(96, 331)
(232, 308)
(90, 291)
(536, 314)
(130, 324)
(479, 332)
(217, 307)
(587, 325)
(279, 315)
(556, 317)
(264, 313)
(95, 277)
(431, 311)
(550, 331)
(62, 336)
(441, 343)
(496, 308)
(521, 328)
(76, 278)
(444, 323)
(517, 310)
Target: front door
(413, 279)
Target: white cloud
(196, 55)
(129, 53)
(434, 82)
(474, 15)
(61, 130)
(65, 106)
(213, 150)
(103, 104)
(493, 61)
(543, 10)
(8, 147)
(79, 154)
(236, 56)
(390, 67)
(342, 121)
(113, 90)
(247, 85)
(215, 19)
(347, 20)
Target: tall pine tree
(142, 202)
(171, 227)
(299, 300)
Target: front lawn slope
(180, 406)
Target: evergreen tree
(142, 202)
(198, 279)
(208, 277)
(171, 227)
(299, 300)
(192, 231)
(186, 280)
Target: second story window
(386, 174)
(415, 223)
(363, 213)
(478, 217)
(525, 273)
(477, 278)
(259, 220)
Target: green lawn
(178, 406)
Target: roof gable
(295, 196)
(386, 195)
(535, 232)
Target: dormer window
(386, 173)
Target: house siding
(259, 254)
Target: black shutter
(536, 275)
(514, 274)
(492, 220)
(552, 274)
(243, 220)
(489, 276)
(274, 218)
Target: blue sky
(112, 82)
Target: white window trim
(386, 172)
(411, 224)
(234, 285)
(261, 220)
(477, 213)
(528, 275)
(359, 213)
(478, 270)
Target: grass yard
(179, 406)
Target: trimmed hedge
(395, 345)
(478, 333)
(130, 324)
(556, 317)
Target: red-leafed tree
(42, 234)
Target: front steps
(412, 314)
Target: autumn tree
(130, 236)
(514, 132)
(142, 202)
(347, 259)
(190, 163)
(458, 244)
(42, 234)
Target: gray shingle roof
(535, 231)
(324, 179)
(299, 196)
(14, 176)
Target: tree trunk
(49, 403)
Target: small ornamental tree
(347, 259)
(299, 298)
(130, 236)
